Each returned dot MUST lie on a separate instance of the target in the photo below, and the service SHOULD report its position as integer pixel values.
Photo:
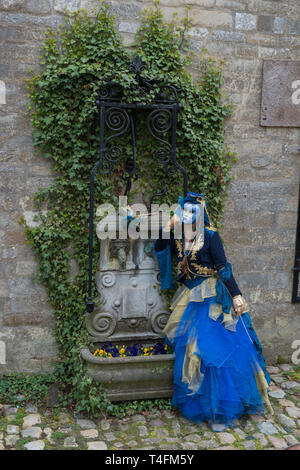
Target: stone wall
(261, 209)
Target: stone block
(28, 304)
(32, 218)
(39, 6)
(126, 11)
(211, 18)
(231, 4)
(25, 268)
(35, 445)
(90, 5)
(10, 252)
(11, 5)
(196, 46)
(269, 6)
(23, 319)
(198, 32)
(24, 19)
(127, 27)
(264, 23)
(279, 25)
(220, 49)
(228, 36)
(28, 348)
(269, 52)
(245, 21)
(62, 5)
(25, 286)
(178, 3)
(293, 27)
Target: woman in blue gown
(219, 371)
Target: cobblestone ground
(43, 429)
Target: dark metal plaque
(280, 104)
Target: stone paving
(43, 429)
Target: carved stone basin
(132, 378)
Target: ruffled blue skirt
(228, 386)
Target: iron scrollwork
(117, 117)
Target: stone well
(131, 310)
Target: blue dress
(219, 372)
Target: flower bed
(110, 350)
(132, 372)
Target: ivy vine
(84, 52)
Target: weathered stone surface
(249, 445)
(125, 10)
(11, 440)
(287, 403)
(104, 424)
(39, 6)
(245, 21)
(142, 431)
(89, 433)
(286, 421)
(63, 418)
(231, 4)
(62, 5)
(33, 431)
(290, 385)
(293, 412)
(290, 439)
(97, 445)
(70, 442)
(294, 27)
(138, 419)
(189, 446)
(157, 422)
(65, 429)
(285, 367)
(226, 437)
(193, 438)
(277, 394)
(35, 445)
(229, 36)
(12, 429)
(110, 436)
(126, 27)
(31, 420)
(264, 23)
(225, 448)
(9, 410)
(11, 4)
(278, 442)
(211, 18)
(262, 440)
(279, 25)
(267, 428)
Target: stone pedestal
(131, 307)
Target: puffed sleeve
(219, 258)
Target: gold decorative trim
(203, 270)
(211, 227)
(179, 248)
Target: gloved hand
(238, 304)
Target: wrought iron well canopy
(118, 117)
